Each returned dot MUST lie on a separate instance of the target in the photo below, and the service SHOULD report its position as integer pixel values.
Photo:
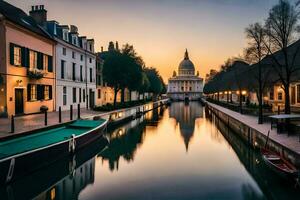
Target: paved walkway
(291, 142)
(35, 121)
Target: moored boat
(279, 165)
(22, 154)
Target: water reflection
(186, 115)
(124, 142)
(273, 186)
(145, 159)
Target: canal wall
(117, 117)
(252, 136)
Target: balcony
(34, 73)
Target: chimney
(101, 49)
(111, 46)
(73, 29)
(117, 46)
(39, 14)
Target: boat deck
(45, 138)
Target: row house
(241, 81)
(27, 70)
(75, 63)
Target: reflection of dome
(186, 67)
(186, 116)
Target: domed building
(186, 85)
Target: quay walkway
(35, 121)
(282, 141)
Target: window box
(35, 73)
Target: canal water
(177, 152)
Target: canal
(177, 152)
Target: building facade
(75, 67)
(186, 85)
(27, 70)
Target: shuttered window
(46, 92)
(45, 62)
(17, 55)
(33, 58)
(50, 64)
(31, 92)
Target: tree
(281, 28)
(155, 81)
(134, 67)
(145, 84)
(254, 53)
(114, 72)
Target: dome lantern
(186, 67)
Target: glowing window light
(244, 92)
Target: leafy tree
(155, 81)
(145, 84)
(115, 72)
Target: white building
(75, 67)
(187, 85)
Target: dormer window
(74, 41)
(65, 35)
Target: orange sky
(160, 30)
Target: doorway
(19, 102)
(92, 99)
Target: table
(282, 117)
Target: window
(298, 93)
(33, 93)
(74, 95)
(17, 55)
(33, 59)
(81, 77)
(79, 95)
(64, 51)
(81, 57)
(279, 95)
(64, 95)
(83, 95)
(90, 47)
(182, 88)
(74, 71)
(46, 92)
(74, 40)
(99, 93)
(91, 60)
(65, 36)
(45, 62)
(190, 88)
(62, 69)
(91, 75)
(73, 55)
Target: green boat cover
(45, 138)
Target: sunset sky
(160, 30)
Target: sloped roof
(18, 16)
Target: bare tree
(282, 29)
(254, 53)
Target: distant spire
(186, 55)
